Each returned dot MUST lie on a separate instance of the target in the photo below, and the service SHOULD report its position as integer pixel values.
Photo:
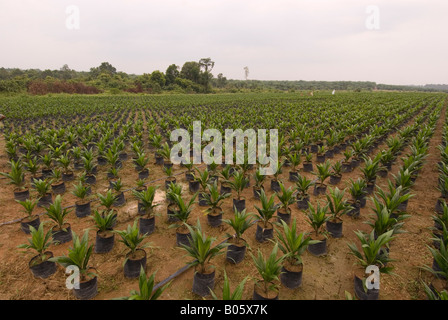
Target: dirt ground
(324, 278)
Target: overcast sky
(278, 40)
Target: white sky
(278, 40)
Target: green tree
(171, 73)
(191, 70)
(158, 77)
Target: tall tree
(105, 67)
(191, 70)
(246, 72)
(207, 65)
(158, 77)
(171, 73)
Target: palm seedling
(336, 173)
(200, 248)
(240, 222)
(433, 294)
(237, 294)
(275, 182)
(386, 159)
(293, 245)
(323, 172)
(43, 189)
(213, 198)
(238, 184)
(107, 200)
(189, 175)
(203, 178)
(104, 222)
(65, 162)
(136, 256)
(259, 183)
(79, 256)
(384, 221)
(373, 250)
(30, 220)
(47, 160)
(116, 186)
(17, 178)
(358, 192)
(61, 231)
(32, 167)
(169, 176)
(316, 218)
(286, 198)
(40, 241)
(393, 199)
(140, 162)
(265, 213)
(403, 179)
(57, 184)
(165, 152)
(146, 200)
(146, 287)
(320, 155)
(338, 206)
(308, 164)
(269, 270)
(439, 267)
(295, 160)
(346, 163)
(182, 211)
(370, 172)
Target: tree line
(192, 77)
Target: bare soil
(324, 278)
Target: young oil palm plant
(213, 198)
(107, 200)
(238, 184)
(323, 172)
(358, 192)
(201, 250)
(79, 255)
(286, 198)
(316, 218)
(383, 221)
(240, 222)
(393, 199)
(146, 207)
(373, 250)
(136, 256)
(338, 207)
(17, 178)
(269, 270)
(30, 220)
(265, 229)
(40, 242)
(146, 200)
(227, 294)
(293, 245)
(370, 172)
(62, 230)
(146, 287)
(182, 214)
(259, 183)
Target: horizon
(385, 42)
